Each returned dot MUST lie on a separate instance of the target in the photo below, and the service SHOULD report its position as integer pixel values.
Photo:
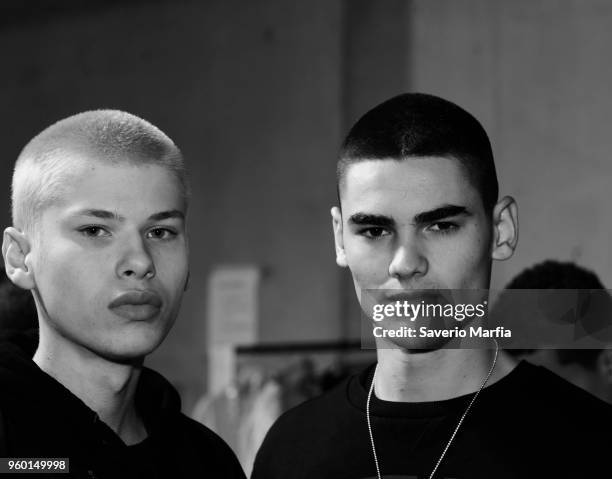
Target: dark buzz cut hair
(415, 125)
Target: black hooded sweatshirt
(40, 418)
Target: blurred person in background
(17, 309)
(18, 318)
(590, 369)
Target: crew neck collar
(358, 386)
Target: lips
(136, 305)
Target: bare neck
(106, 387)
(404, 376)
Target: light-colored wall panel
(535, 73)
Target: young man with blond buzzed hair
(99, 202)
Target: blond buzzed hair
(44, 167)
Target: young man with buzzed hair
(419, 213)
(99, 202)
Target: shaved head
(48, 162)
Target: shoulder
(203, 441)
(303, 431)
(308, 414)
(198, 432)
(557, 393)
(159, 404)
(556, 419)
(546, 398)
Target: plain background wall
(537, 74)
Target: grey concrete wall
(537, 74)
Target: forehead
(410, 185)
(128, 189)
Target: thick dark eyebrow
(426, 217)
(371, 220)
(440, 213)
(164, 215)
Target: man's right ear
(15, 251)
(505, 232)
(338, 238)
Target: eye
(374, 232)
(443, 227)
(94, 231)
(161, 233)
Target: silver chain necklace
(378, 475)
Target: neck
(105, 386)
(408, 376)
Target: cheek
(60, 271)
(369, 266)
(467, 261)
(64, 278)
(171, 266)
(481, 248)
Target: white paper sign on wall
(233, 304)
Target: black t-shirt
(40, 418)
(531, 423)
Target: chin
(130, 355)
(132, 347)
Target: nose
(407, 262)
(136, 261)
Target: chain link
(465, 413)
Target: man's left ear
(505, 228)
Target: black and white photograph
(331, 239)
